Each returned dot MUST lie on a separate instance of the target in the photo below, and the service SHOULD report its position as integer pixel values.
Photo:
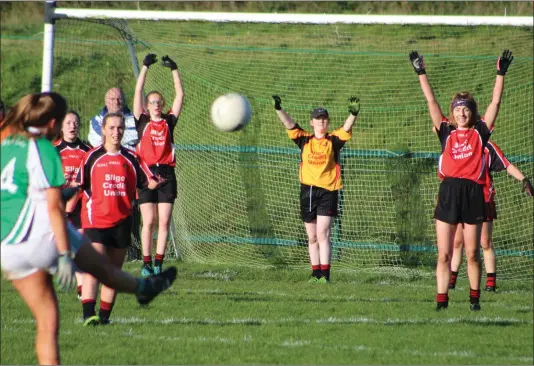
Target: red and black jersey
(72, 154)
(495, 162)
(462, 151)
(156, 139)
(109, 182)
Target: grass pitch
(239, 315)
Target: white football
(231, 112)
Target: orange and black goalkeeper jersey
(319, 163)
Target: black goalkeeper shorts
(316, 201)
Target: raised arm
(284, 117)
(354, 110)
(138, 104)
(503, 63)
(178, 89)
(433, 106)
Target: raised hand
(166, 61)
(277, 101)
(65, 278)
(150, 59)
(527, 187)
(504, 62)
(354, 106)
(417, 62)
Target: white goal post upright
(238, 192)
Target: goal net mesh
(238, 193)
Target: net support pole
(48, 46)
(133, 57)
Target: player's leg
(445, 238)
(107, 294)
(313, 250)
(490, 261)
(90, 287)
(148, 213)
(472, 254)
(308, 214)
(164, 219)
(457, 255)
(324, 224)
(37, 291)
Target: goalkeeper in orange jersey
(320, 178)
(495, 162)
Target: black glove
(150, 59)
(527, 187)
(277, 102)
(504, 62)
(417, 63)
(354, 106)
(168, 62)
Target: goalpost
(238, 192)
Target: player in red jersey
(495, 162)
(48, 245)
(463, 137)
(156, 156)
(72, 150)
(109, 176)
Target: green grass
(237, 315)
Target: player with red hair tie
(71, 151)
(109, 176)
(156, 155)
(495, 162)
(463, 136)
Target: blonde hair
(467, 99)
(156, 93)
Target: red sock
(441, 298)
(105, 310)
(474, 295)
(454, 275)
(147, 259)
(316, 270)
(159, 259)
(491, 279)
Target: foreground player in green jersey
(36, 242)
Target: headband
(463, 103)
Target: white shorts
(38, 253)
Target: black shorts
(490, 211)
(316, 201)
(118, 236)
(165, 193)
(75, 216)
(460, 201)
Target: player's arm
(177, 81)
(354, 110)
(138, 104)
(517, 174)
(503, 62)
(433, 106)
(284, 117)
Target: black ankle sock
(88, 307)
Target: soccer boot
(158, 270)
(92, 321)
(313, 279)
(475, 306)
(452, 285)
(490, 289)
(146, 270)
(442, 306)
(323, 280)
(152, 286)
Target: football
(231, 112)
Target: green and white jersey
(29, 167)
